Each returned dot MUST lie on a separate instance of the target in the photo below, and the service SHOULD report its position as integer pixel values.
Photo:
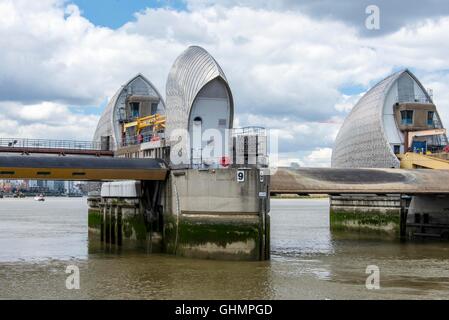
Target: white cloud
(279, 63)
(439, 83)
(320, 157)
(55, 54)
(286, 69)
(46, 120)
(294, 135)
(347, 102)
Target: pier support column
(405, 203)
(119, 226)
(196, 213)
(212, 214)
(102, 225)
(113, 229)
(428, 217)
(367, 213)
(107, 220)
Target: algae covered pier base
(214, 202)
(197, 213)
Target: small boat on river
(39, 197)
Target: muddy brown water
(38, 240)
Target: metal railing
(436, 149)
(135, 140)
(49, 144)
(420, 98)
(252, 130)
(246, 146)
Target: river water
(38, 240)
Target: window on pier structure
(154, 107)
(430, 115)
(406, 117)
(397, 149)
(135, 106)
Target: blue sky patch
(91, 110)
(352, 90)
(115, 13)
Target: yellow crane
(156, 121)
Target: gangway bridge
(298, 181)
(90, 161)
(56, 147)
(335, 181)
(79, 168)
(46, 159)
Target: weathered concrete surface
(363, 199)
(208, 214)
(219, 236)
(366, 213)
(122, 225)
(428, 216)
(121, 189)
(200, 213)
(359, 181)
(217, 191)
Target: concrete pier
(211, 215)
(205, 213)
(424, 216)
(428, 216)
(121, 222)
(361, 213)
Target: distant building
(69, 186)
(32, 184)
(59, 186)
(47, 185)
(397, 115)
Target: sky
(295, 66)
(115, 13)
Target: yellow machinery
(431, 132)
(412, 160)
(156, 121)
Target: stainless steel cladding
(370, 133)
(196, 85)
(190, 72)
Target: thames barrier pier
(194, 213)
(178, 178)
(215, 201)
(394, 125)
